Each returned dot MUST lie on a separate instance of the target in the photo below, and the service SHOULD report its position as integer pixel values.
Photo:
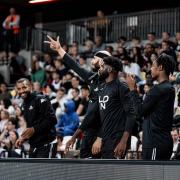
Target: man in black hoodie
(91, 123)
(40, 120)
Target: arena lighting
(40, 1)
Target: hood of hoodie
(70, 106)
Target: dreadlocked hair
(167, 62)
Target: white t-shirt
(133, 69)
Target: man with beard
(40, 120)
(91, 123)
(157, 110)
(116, 110)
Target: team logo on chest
(31, 108)
(103, 100)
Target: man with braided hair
(157, 110)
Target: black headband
(101, 55)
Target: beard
(103, 75)
(24, 95)
(95, 67)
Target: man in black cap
(91, 124)
(116, 110)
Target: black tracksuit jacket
(38, 113)
(157, 110)
(91, 122)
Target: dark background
(74, 9)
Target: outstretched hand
(54, 44)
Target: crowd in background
(69, 94)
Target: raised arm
(68, 60)
(145, 107)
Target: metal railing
(128, 25)
(110, 27)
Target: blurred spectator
(82, 108)
(69, 120)
(152, 39)
(58, 102)
(136, 42)
(100, 26)
(166, 47)
(4, 93)
(121, 52)
(12, 124)
(37, 87)
(66, 80)
(175, 137)
(74, 52)
(166, 37)
(88, 49)
(56, 81)
(4, 116)
(122, 42)
(49, 91)
(10, 146)
(38, 74)
(75, 82)
(147, 87)
(82, 62)
(137, 56)
(60, 67)
(37, 57)
(131, 67)
(11, 26)
(7, 105)
(148, 50)
(177, 41)
(99, 45)
(76, 97)
(48, 64)
(18, 67)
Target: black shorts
(45, 151)
(86, 147)
(109, 146)
(157, 153)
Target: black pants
(86, 147)
(109, 146)
(11, 41)
(46, 151)
(158, 153)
